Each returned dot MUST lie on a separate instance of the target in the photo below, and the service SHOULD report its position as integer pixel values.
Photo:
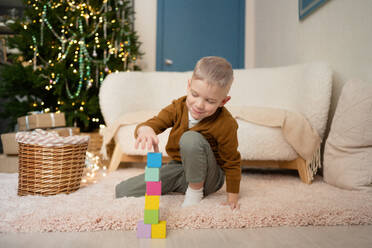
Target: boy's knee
(190, 141)
(120, 190)
(129, 188)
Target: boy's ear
(188, 84)
(224, 101)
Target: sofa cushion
(255, 142)
(348, 149)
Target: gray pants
(198, 165)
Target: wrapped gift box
(65, 131)
(10, 145)
(46, 120)
(8, 163)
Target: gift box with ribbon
(8, 163)
(65, 131)
(42, 120)
(10, 145)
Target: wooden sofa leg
(116, 158)
(303, 171)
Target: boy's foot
(192, 197)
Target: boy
(202, 143)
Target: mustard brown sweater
(219, 129)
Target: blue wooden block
(154, 159)
(152, 174)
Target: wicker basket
(50, 170)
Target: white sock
(192, 197)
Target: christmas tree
(66, 50)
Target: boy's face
(203, 99)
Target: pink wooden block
(153, 188)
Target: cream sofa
(304, 89)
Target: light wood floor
(299, 237)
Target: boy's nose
(200, 104)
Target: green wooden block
(152, 174)
(151, 216)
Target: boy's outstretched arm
(232, 200)
(147, 138)
(146, 132)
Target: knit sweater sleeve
(163, 120)
(229, 154)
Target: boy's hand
(147, 138)
(232, 201)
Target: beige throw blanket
(297, 131)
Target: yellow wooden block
(152, 202)
(159, 231)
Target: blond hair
(214, 70)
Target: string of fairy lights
(82, 35)
(92, 171)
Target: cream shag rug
(267, 199)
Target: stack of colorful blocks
(151, 227)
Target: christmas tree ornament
(70, 47)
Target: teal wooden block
(154, 159)
(151, 216)
(152, 174)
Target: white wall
(250, 34)
(146, 11)
(340, 33)
(145, 25)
